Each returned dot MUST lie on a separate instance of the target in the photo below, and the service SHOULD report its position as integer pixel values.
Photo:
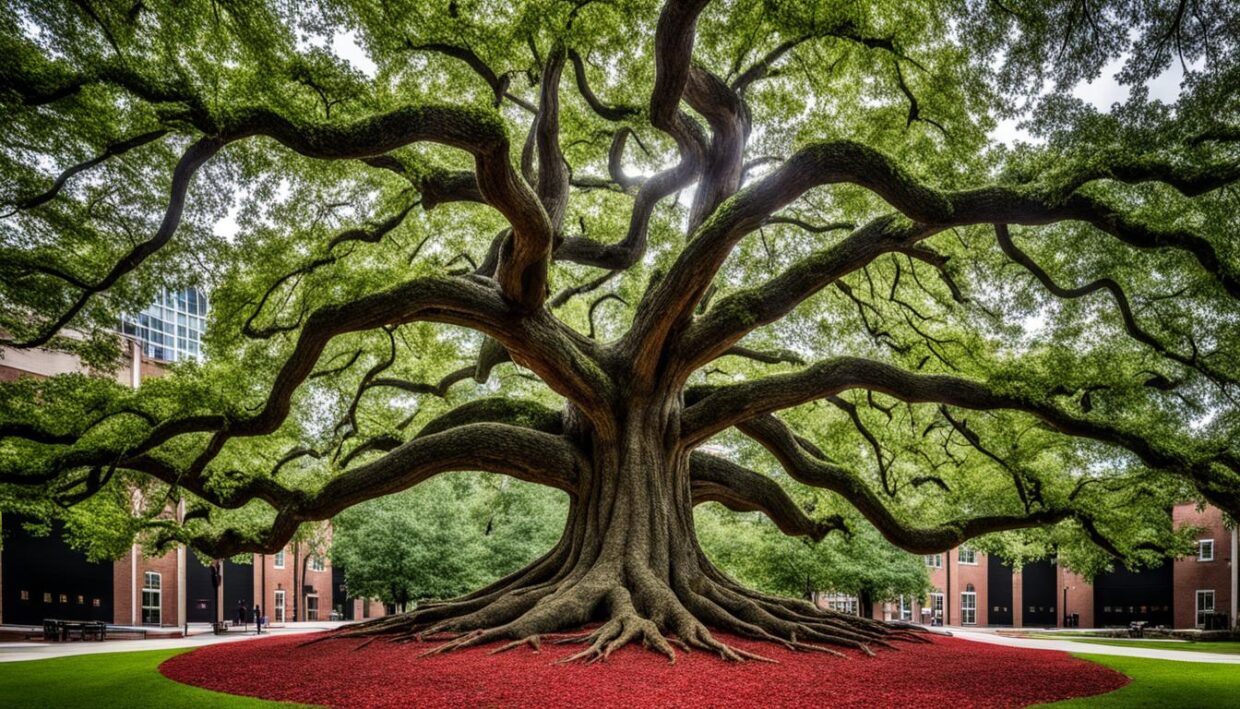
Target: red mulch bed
(948, 673)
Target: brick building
(42, 577)
(970, 588)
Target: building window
(171, 328)
(81, 600)
(967, 555)
(1205, 550)
(1205, 607)
(316, 563)
(906, 609)
(152, 590)
(277, 561)
(47, 597)
(279, 606)
(842, 603)
(96, 602)
(968, 608)
(312, 607)
(934, 561)
(64, 598)
(25, 595)
(936, 607)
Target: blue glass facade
(171, 328)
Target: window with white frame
(279, 614)
(312, 607)
(842, 603)
(277, 561)
(1205, 607)
(316, 563)
(966, 555)
(906, 608)
(968, 608)
(936, 606)
(152, 591)
(1205, 550)
(934, 561)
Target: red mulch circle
(947, 673)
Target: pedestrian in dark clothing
(242, 614)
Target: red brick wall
(122, 588)
(1018, 600)
(1191, 575)
(367, 609)
(962, 576)
(1080, 597)
(281, 579)
(10, 374)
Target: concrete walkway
(1161, 652)
(19, 651)
(199, 636)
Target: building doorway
(1205, 607)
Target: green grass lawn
(1163, 684)
(116, 680)
(1226, 647)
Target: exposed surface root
(632, 606)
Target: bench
(63, 630)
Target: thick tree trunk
(629, 559)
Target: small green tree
(750, 547)
(448, 538)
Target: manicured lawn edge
(114, 680)
(1159, 684)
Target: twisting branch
(499, 84)
(552, 169)
(370, 234)
(674, 37)
(190, 161)
(1018, 481)
(666, 305)
(765, 357)
(729, 122)
(777, 438)
(591, 285)
(715, 479)
(610, 113)
(111, 151)
(884, 465)
(1134, 330)
(1215, 472)
(811, 228)
(507, 449)
(595, 305)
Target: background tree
(444, 539)
(752, 550)
(776, 226)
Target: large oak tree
(574, 242)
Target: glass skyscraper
(171, 328)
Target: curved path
(1151, 653)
